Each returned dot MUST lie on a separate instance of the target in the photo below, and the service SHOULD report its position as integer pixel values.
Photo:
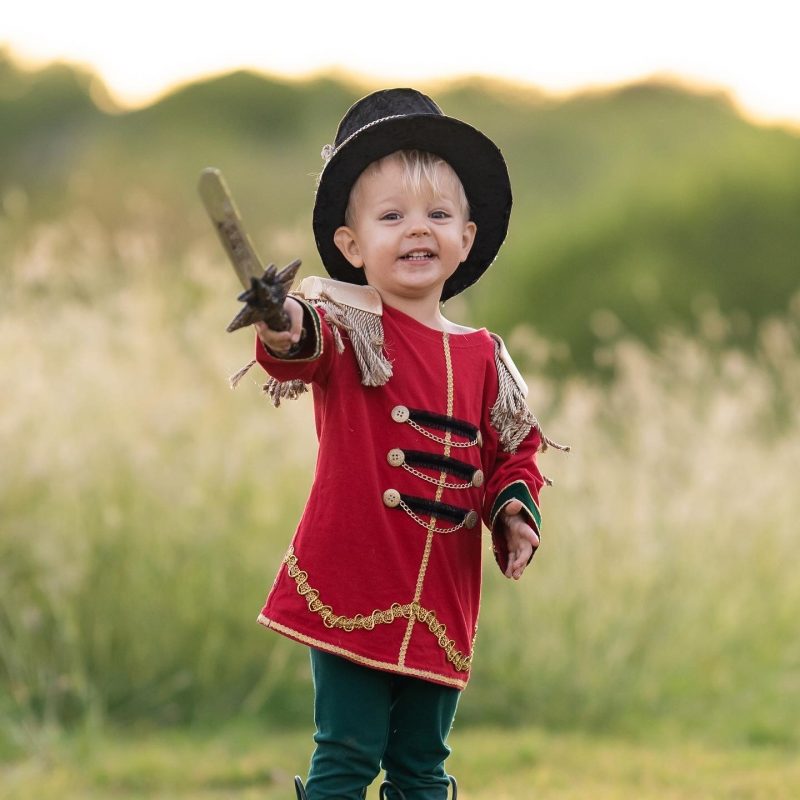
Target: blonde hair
(421, 172)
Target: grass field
(144, 510)
(245, 762)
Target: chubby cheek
(381, 250)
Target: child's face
(408, 244)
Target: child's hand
(281, 341)
(521, 539)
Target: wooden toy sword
(265, 289)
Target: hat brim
(475, 158)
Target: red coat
(392, 580)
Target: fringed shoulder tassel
(283, 390)
(365, 332)
(274, 389)
(510, 415)
(235, 379)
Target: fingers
(521, 540)
(277, 341)
(519, 529)
(282, 341)
(518, 560)
(515, 567)
(295, 312)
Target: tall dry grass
(144, 509)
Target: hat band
(329, 151)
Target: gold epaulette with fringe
(364, 298)
(510, 415)
(358, 311)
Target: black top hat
(405, 119)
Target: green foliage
(144, 508)
(657, 261)
(643, 203)
(47, 121)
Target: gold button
(391, 498)
(477, 478)
(400, 414)
(395, 456)
(471, 520)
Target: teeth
(418, 255)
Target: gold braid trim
(388, 666)
(423, 567)
(461, 662)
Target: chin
(420, 284)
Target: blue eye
(390, 216)
(440, 215)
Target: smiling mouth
(420, 255)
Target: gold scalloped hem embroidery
(367, 662)
(408, 611)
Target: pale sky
(143, 48)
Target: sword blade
(227, 221)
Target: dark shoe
(301, 791)
(396, 793)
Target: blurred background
(649, 289)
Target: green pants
(367, 720)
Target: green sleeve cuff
(518, 491)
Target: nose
(419, 226)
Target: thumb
(295, 312)
(513, 507)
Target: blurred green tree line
(635, 209)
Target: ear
(468, 238)
(345, 239)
